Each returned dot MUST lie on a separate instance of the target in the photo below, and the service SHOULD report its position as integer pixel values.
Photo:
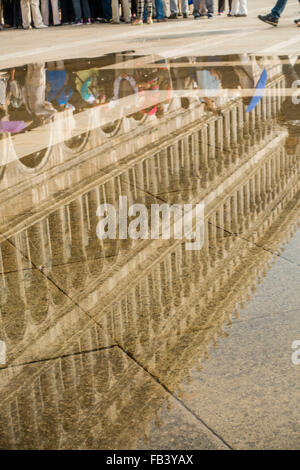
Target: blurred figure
(82, 12)
(115, 11)
(67, 12)
(55, 12)
(239, 8)
(221, 6)
(141, 5)
(31, 10)
(175, 11)
(203, 7)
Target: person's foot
(137, 21)
(173, 16)
(297, 22)
(149, 21)
(88, 21)
(76, 23)
(197, 16)
(230, 14)
(241, 15)
(210, 16)
(269, 19)
(161, 20)
(41, 26)
(116, 22)
(27, 27)
(185, 15)
(59, 24)
(1, 27)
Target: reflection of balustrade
(169, 302)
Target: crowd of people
(43, 13)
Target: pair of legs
(81, 9)
(115, 11)
(31, 10)
(45, 11)
(239, 7)
(221, 5)
(140, 11)
(174, 7)
(202, 5)
(67, 12)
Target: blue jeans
(159, 11)
(278, 9)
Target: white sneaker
(42, 26)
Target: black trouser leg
(86, 9)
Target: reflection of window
(2, 353)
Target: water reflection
(152, 129)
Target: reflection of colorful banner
(259, 92)
(12, 126)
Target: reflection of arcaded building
(150, 298)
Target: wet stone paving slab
(149, 253)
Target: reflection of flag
(12, 126)
(259, 91)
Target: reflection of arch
(2, 171)
(112, 128)
(36, 160)
(78, 142)
(140, 117)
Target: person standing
(203, 5)
(273, 17)
(174, 9)
(239, 8)
(140, 12)
(221, 6)
(67, 12)
(116, 13)
(82, 12)
(45, 12)
(31, 10)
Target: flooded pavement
(146, 339)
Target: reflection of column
(78, 272)
(204, 154)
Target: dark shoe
(240, 15)
(269, 19)
(77, 23)
(173, 16)
(197, 16)
(210, 16)
(185, 15)
(297, 22)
